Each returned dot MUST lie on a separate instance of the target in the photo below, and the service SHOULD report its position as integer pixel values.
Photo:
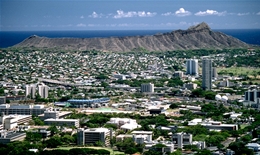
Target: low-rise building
(22, 109)
(62, 122)
(253, 146)
(12, 121)
(213, 125)
(94, 135)
(141, 137)
(180, 139)
(147, 88)
(7, 137)
(124, 123)
(190, 86)
(169, 146)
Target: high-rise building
(147, 87)
(192, 67)
(206, 73)
(43, 91)
(30, 91)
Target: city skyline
(27, 15)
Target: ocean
(10, 38)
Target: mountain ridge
(196, 37)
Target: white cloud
(81, 25)
(95, 15)
(122, 14)
(182, 12)
(167, 14)
(243, 14)
(210, 12)
(81, 17)
(258, 13)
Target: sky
(47, 15)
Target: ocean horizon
(10, 38)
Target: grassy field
(239, 70)
(105, 148)
(242, 126)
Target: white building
(43, 91)
(30, 91)
(94, 135)
(213, 125)
(124, 123)
(192, 67)
(12, 121)
(253, 146)
(147, 88)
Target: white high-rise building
(30, 91)
(192, 67)
(43, 91)
(147, 87)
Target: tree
(203, 152)
(33, 137)
(173, 106)
(129, 146)
(240, 148)
(177, 152)
(210, 95)
(68, 139)
(38, 121)
(198, 92)
(53, 142)
(53, 129)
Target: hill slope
(196, 37)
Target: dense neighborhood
(90, 102)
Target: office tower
(147, 87)
(192, 67)
(206, 73)
(43, 91)
(30, 91)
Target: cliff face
(196, 37)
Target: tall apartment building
(206, 74)
(43, 91)
(192, 67)
(30, 91)
(93, 135)
(147, 88)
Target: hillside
(196, 37)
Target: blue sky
(24, 15)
